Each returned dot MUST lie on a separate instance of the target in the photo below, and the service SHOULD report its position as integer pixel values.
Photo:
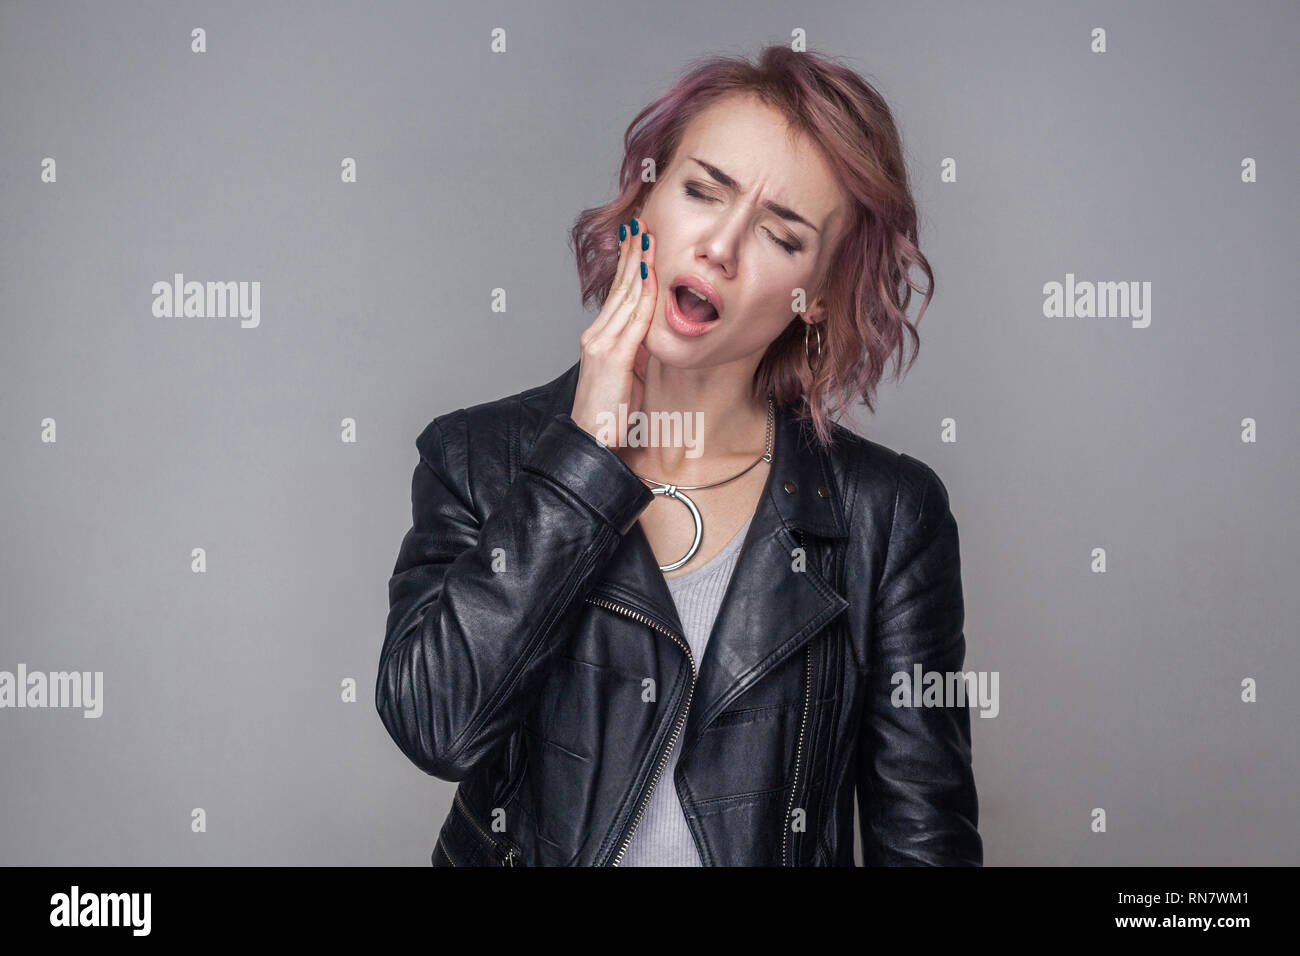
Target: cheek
(766, 318)
(778, 297)
(667, 223)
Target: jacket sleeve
(477, 605)
(916, 787)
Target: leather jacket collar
(799, 499)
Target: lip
(699, 285)
(680, 323)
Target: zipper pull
(510, 857)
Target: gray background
(1118, 690)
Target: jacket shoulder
(887, 484)
(479, 446)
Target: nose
(723, 244)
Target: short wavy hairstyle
(866, 285)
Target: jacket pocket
(493, 849)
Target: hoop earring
(806, 352)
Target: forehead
(753, 143)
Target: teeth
(697, 294)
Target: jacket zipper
(509, 854)
(798, 753)
(443, 843)
(681, 720)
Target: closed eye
(789, 247)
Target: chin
(670, 350)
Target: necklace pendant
(672, 491)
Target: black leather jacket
(527, 612)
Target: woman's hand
(612, 367)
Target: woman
(683, 651)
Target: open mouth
(694, 306)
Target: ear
(816, 312)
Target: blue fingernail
(622, 232)
(645, 241)
(635, 226)
(644, 274)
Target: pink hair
(869, 288)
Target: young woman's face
(726, 233)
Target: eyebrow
(785, 212)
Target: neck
(723, 425)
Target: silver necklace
(675, 491)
